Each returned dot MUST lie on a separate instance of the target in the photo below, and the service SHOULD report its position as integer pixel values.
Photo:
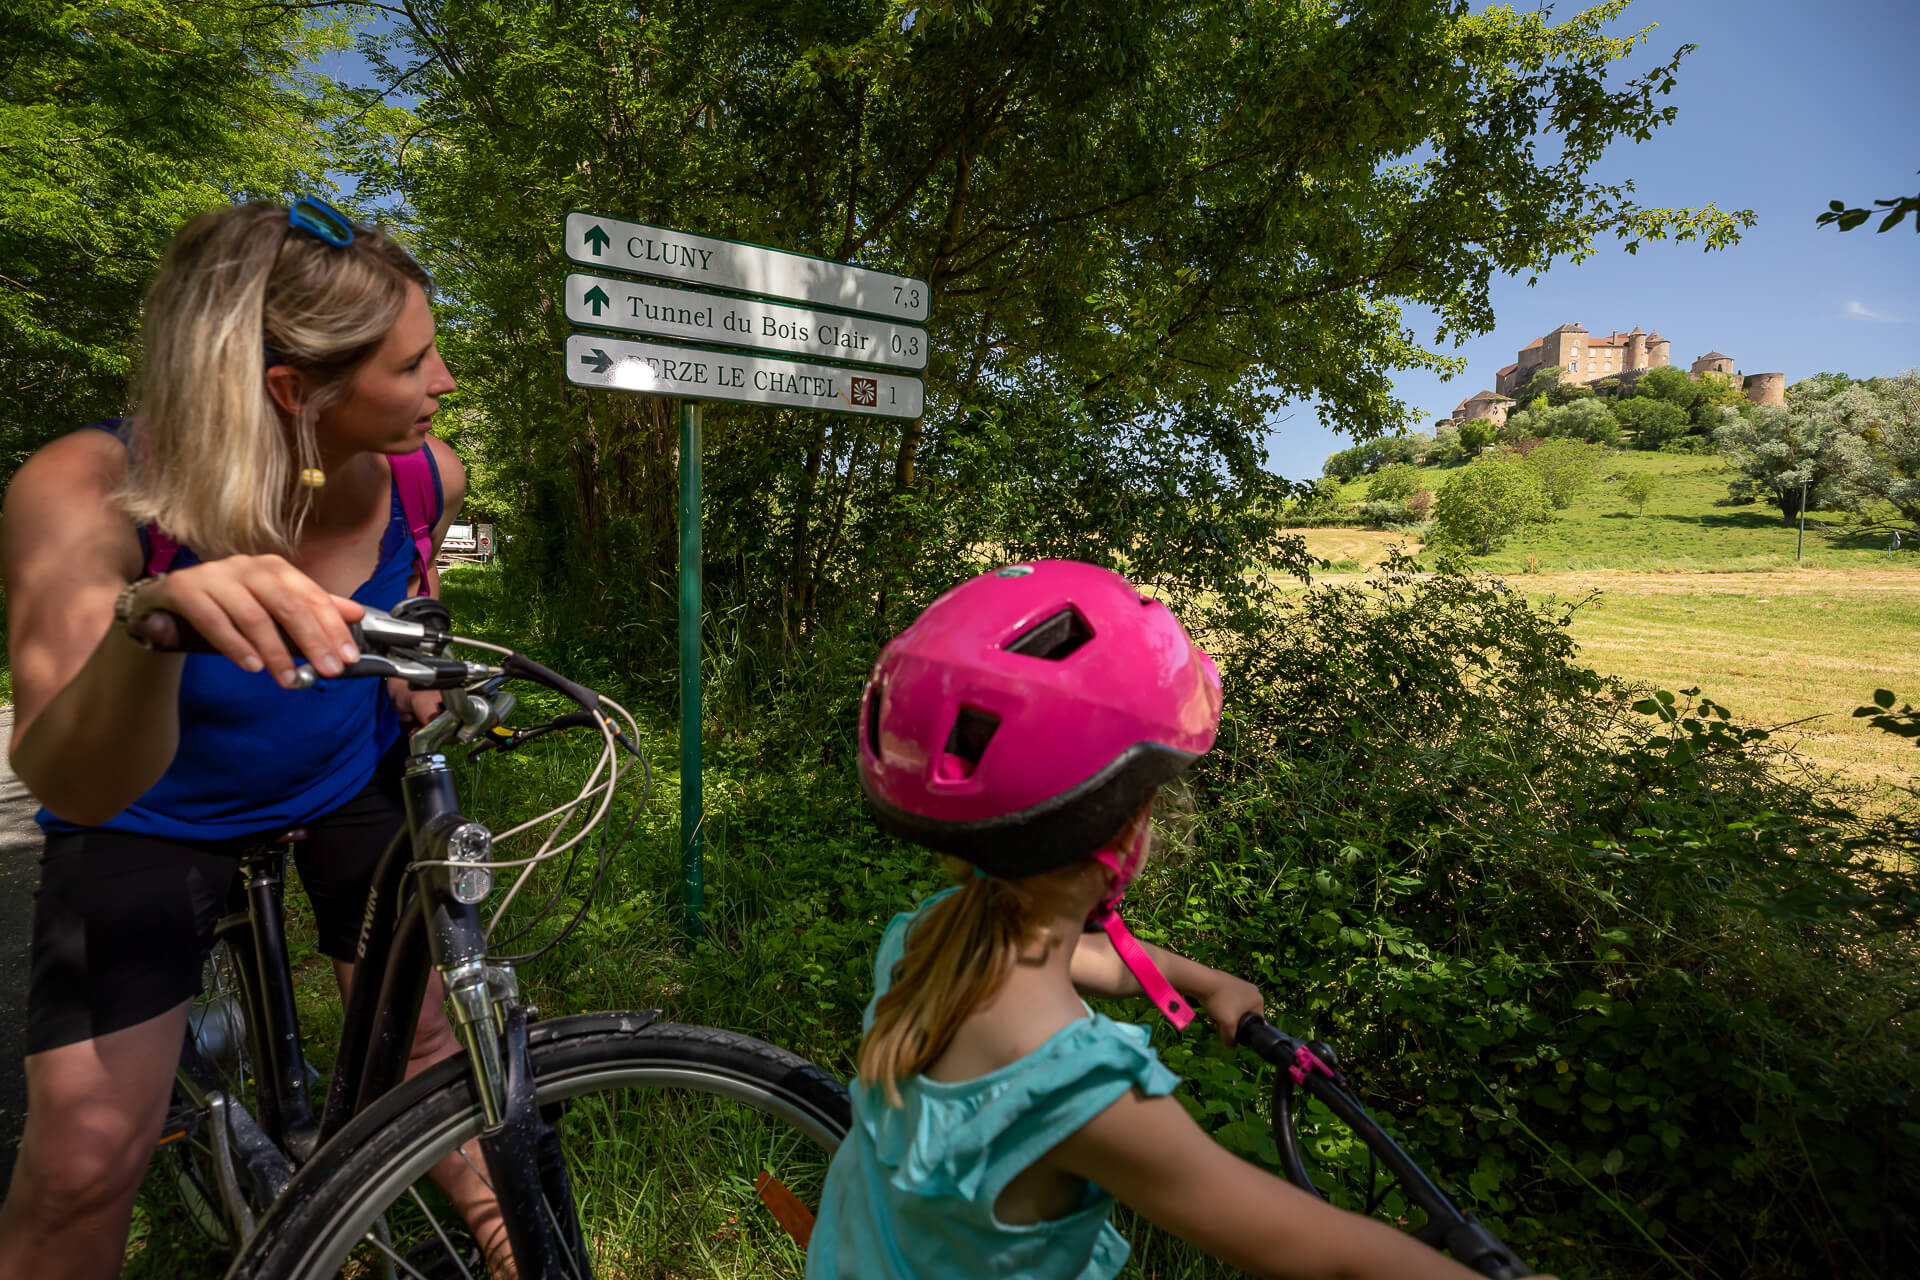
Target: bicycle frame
(413, 925)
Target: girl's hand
(1229, 1001)
(241, 604)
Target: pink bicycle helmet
(1029, 712)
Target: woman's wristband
(123, 613)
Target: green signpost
(852, 316)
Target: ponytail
(957, 957)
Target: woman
(289, 375)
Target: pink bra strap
(413, 475)
(160, 551)
(1141, 965)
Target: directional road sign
(656, 368)
(616, 245)
(612, 303)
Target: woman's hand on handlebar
(242, 604)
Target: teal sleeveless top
(910, 1193)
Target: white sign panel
(690, 314)
(655, 368)
(616, 245)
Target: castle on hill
(1623, 358)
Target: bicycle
(563, 1119)
(1312, 1065)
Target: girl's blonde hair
(958, 954)
(212, 460)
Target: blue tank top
(255, 758)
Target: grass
(1686, 527)
(1773, 648)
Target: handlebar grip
(168, 632)
(1259, 1035)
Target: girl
(287, 386)
(1023, 725)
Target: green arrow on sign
(597, 298)
(597, 239)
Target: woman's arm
(1150, 1155)
(96, 715)
(1097, 970)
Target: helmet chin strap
(1125, 945)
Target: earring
(313, 477)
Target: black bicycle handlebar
(1307, 1066)
(378, 630)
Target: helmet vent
(973, 729)
(1054, 638)
(873, 719)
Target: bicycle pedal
(181, 1122)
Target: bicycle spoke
(394, 1257)
(433, 1221)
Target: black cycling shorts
(123, 922)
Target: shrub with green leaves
(1565, 468)
(1645, 999)
(1653, 421)
(1396, 483)
(1489, 501)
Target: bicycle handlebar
(1448, 1228)
(377, 630)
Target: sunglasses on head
(321, 221)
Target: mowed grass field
(1695, 593)
(1686, 527)
(1772, 648)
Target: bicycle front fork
(525, 1168)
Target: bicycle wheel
(666, 1129)
(216, 1058)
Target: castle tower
(1766, 388)
(1656, 350)
(1713, 362)
(1636, 349)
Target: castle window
(1574, 367)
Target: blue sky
(1785, 105)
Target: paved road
(19, 875)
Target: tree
(1847, 219)
(1476, 435)
(1144, 228)
(1812, 446)
(1487, 502)
(1543, 381)
(1587, 419)
(1885, 414)
(1715, 391)
(1638, 487)
(118, 123)
(1565, 469)
(1652, 420)
(1664, 382)
(1567, 393)
(1396, 483)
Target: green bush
(1396, 483)
(1640, 997)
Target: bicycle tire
(702, 1075)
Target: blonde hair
(212, 459)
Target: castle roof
(1636, 329)
(1653, 338)
(1534, 345)
(1715, 355)
(1501, 373)
(1575, 327)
